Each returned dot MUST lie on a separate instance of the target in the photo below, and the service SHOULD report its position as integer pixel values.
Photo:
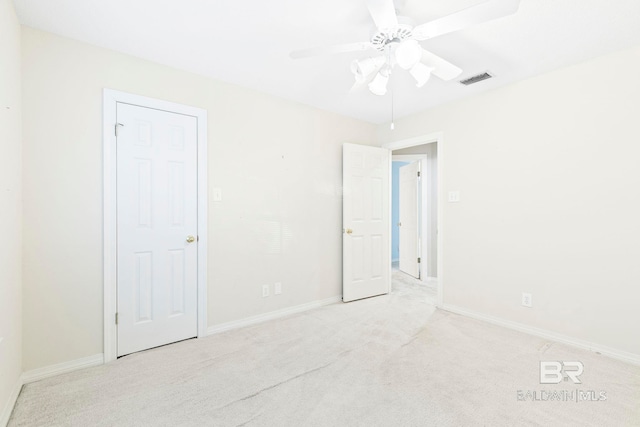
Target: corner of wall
(11, 213)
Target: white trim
(407, 157)
(110, 100)
(253, 320)
(46, 372)
(420, 140)
(109, 225)
(11, 403)
(62, 368)
(424, 218)
(543, 333)
(389, 225)
(412, 142)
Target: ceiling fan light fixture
(378, 85)
(363, 69)
(398, 40)
(408, 53)
(421, 73)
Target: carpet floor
(393, 360)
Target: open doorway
(415, 205)
(407, 223)
(396, 164)
(417, 154)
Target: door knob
(191, 239)
(348, 231)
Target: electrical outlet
(527, 300)
(217, 194)
(454, 196)
(265, 291)
(277, 288)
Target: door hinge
(418, 173)
(116, 128)
(418, 260)
(116, 318)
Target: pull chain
(393, 126)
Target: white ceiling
(247, 42)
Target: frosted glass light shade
(378, 85)
(363, 69)
(408, 53)
(421, 73)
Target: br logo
(555, 372)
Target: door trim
(110, 100)
(421, 140)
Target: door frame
(421, 140)
(424, 251)
(110, 100)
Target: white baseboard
(62, 368)
(46, 372)
(8, 407)
(553, 336)
(215, 329)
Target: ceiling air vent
(476, 79)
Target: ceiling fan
(397, 42)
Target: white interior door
(365, 218)
(156, 214)
(408, 210)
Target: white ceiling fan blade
(441, 68)
(358, 87)
(486, 11)
(329, 50)
(383, 13)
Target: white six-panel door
(365, 219)
(409, 241)
(156, 228)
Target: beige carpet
(386, 361)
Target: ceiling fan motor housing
(382, 37)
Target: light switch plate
(454, 196)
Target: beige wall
(10, 206)
(548, 175)
(546, 168)
(277, 162)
